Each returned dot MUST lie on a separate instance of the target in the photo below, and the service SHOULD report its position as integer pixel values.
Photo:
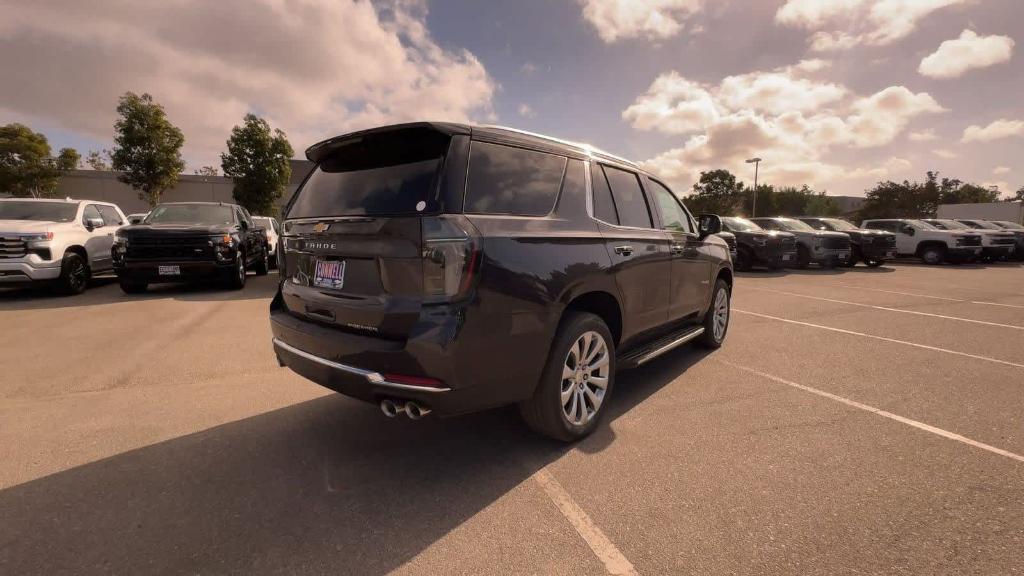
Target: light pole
(756, 162)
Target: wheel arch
(925, 244)
(79, 250)
(602, 304)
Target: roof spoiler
(320, 150)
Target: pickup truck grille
(12, 247)
(970, 241)
(170, 248)
(787, 244)
(836, 243)
(998, 241)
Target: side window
(768, 224)
(630, 202)
(90, 212)
(604, 206)
(276, 225)
(507, 180)
(110, 216)
(889, 226)
(670, 213)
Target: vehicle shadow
(324, 485)
(782, 273)
(105, 290)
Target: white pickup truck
(995, 244)
(932, 245)
(56, 242)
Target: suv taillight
(451, 257)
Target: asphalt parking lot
(856, 421)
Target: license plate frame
(329, 273)
(168, 270)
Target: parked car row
(63, 243)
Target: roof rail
(581, 145)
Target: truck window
(110, 216)
(516, 181)
(630, 202)
(670, 213)
(604, 206)
(90, 212)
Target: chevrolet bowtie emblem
(320, 227)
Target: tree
(26, 167)
(99, 160)
(207, 171)
(1018, 197)
(717, 192)
(257, 160)
(147, 147)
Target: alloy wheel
(721, 317)
(585, 375)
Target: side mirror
(93, 223)
(709, 224)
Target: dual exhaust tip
(414, 411)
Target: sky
(835, 94)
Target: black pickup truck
(873, 247)
(188, 242)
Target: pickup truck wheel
(933, 255)
(130, 287)
(263, 266)
(236, 280)
(874, 263)
(577, 380)
(74, 274)
(803, 257)
(716, 319)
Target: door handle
(624, 250)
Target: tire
(803, 257)
(130, 287)
(743, 261)
(874, 263)
(263, 266)
(713, 335)
(933, 255)
(855, 256)
(236, 277)
(74, 275)
(546, 412)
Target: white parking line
(883, 338)
(613, 560)
(932, 297)
(887, 309)
(883, 413)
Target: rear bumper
(191, 270)
(22, 272)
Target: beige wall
(97, 185)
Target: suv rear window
(630, 202)
(376, 174)
(507, 180)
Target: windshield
(263, 221)
(980, 224)
(735, 224)
(793, 225)
(210, 214)
(922, 225)
(1008, 225)
(948, 225)
(838, 225)
(41, 211)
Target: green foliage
(26, 167)
(99, 160)
(1018, 197)
(147, 147)
(257, 161)
(921, 199)
(717, 192)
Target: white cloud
(525, 111)
(969, 51)
(926, 135)
(944, 153)
(528, 68)
(786, 118)
(1001, 170)
(652, 19)
(843, 24)
(994, 131)
(209, 67)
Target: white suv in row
(58, 242)
(930, 244)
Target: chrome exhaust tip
(415, 411)
(390, 409)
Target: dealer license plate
(168, 270)
(329, 274)
(786, 256)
